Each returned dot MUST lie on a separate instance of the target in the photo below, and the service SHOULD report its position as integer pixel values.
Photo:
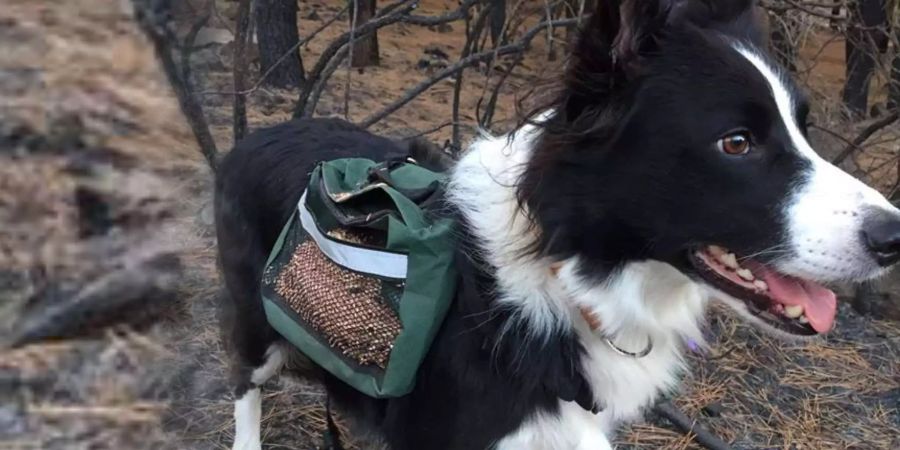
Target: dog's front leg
(595, 440)
(247, 418)
(569, 428)
(248, 406)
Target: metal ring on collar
(646, 351)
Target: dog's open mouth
(790, 304)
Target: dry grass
(836, 393)
(166, 386)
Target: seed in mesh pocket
(344, 307)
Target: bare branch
(517, 47)
(326, 75)
(283, 57)
(690, 427)
(154, 25)
(485, 120)
(241, 41)
(351, 44)
(472, 34)
(399, 12)
(864, 135)
(187, 48)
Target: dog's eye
(737, 143)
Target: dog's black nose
(881, 233)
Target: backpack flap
(356, 192)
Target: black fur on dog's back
(481, 378)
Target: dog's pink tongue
(819, 303)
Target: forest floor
(100, 178)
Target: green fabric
(322, 354)
(431, 277)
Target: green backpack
(362, 274)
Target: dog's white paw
(249, 444)
(247, 417)
(594, 442)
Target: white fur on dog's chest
(668, 311)
(624, 386)
(646, 301)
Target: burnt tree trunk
(241, 42)
(365, 49)
(276, 32)
(498, 21)
(865, 37)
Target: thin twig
(432, 130)
(122, 414)
(352, 44)
(550, 53)
(517, 47)
(865, 134)
(399, 12)
(330, 52)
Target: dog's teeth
(716, 251)
(802, 319)
(793, 311)
(729, 260)
(745, 274)
(761, 285)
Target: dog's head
(677, 139)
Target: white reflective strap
(364, 260)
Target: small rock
(19, 138)
(229, 10)
(423, 64)
(207, 215)
(314, 15)
(883, 305)
(444, 28)
(713, 409)
(436, 52)
(94, 213)
(210, 35)
(12, 420)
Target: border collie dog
(672, 168)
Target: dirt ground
(100, 180)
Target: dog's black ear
(609, 48)
(619, 31)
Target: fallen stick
(134, 413)
(864, 135)
(131, 295)
(690, 426)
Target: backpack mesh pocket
(354, 313)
